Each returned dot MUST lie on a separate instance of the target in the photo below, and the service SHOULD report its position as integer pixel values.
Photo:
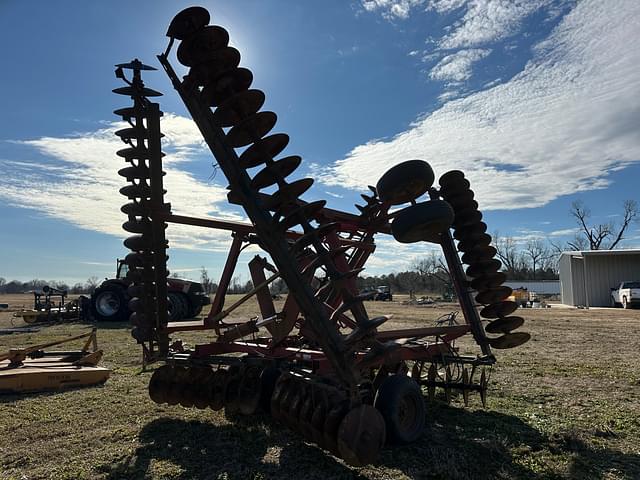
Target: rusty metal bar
(467, 303)
(315, 313)
(225, 279)
(157, 206)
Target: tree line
(533, 259)
(36, 285)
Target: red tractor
(110, 301)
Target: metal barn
(587, 277)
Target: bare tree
(507, 251)
(207, 283)
(602, 235)
(537, 252)
(434, 267)
(578, 243)
(92, 284)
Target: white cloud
(476, 23)
(445, 6)
(392, 8)
(334, 195)
(392, 256)
(457, 66)
(487, 21)
(448, 95)
(81, 185)
(555, 129)
(563, 233)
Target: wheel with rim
(405, 182)
(400, 402)
(109, 303)
(422, 222)
(178, 306)
(625, 303)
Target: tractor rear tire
(194, 310)
(109, 303)
(399, 400)
(178, 307)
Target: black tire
(178, 306)
(422, 222)
(405, 182)
(400, 402)
(194, 310)
(109, 303)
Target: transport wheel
(422, 222)
(109, 303)
(178, 306)
(400, 402)
(405, 182)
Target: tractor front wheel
(109, 303)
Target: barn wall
(607, 271)
(566, 285)
(577, 281)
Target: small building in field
(587, 277)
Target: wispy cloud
(457, 66)
(555, 129)
(563, 232)
(392, 8)
(79, 183)
(487, 21)
(473, 28)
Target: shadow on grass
(456, 444)
(11, 398)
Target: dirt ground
(565, 405)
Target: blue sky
(536, 100)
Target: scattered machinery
(33, 369)
(51, 305)
(320, 365)
(110, 300)
(383, 294)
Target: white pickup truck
(627, 294)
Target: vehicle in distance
(110, 301)
(626, 294)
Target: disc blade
(361, 435)
(509, 340)
(501, 309)
(504, 325)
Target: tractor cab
(121, 269)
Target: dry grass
(562, 406)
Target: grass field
(565, 405)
